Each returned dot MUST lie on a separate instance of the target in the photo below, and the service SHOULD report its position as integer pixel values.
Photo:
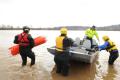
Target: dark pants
(91, 41)
(62, 63)
(113, 56)
(27, 52)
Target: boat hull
(78, 54)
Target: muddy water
(10, 67)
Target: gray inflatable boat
(81, 51)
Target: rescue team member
(61, 58)
(111, 48)
(26, 43)
(89, 34)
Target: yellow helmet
(105, 38)
(63, 30)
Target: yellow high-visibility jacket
(90, 33)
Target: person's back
(67, 42)
(62, 52)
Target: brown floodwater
(44, 69)
(94, 71)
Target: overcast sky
(50, 13)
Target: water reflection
(104, 71)
(36, 72)
(78, 71)
(110, 71)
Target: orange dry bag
(14, 50)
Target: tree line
(104, 28)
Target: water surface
(10, 67)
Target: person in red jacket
(26, 43)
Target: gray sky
(50, 13)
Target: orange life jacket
(23, 39)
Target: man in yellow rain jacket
(111, 48)
(62, 56)
(89, 34)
